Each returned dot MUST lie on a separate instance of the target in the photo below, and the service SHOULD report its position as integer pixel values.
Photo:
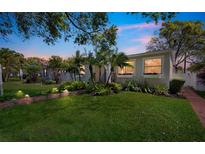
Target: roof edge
(148, 53)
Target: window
(127, 70)
(152, 66)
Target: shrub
(101, 90)
(71, 86)
(131, 85)
(175, 86)
(49, 82)
(19, 94)
(14, 79)
(143, 86)
(78, 85)
(138, 86)
(54, 90)
(115, 87)
(90, 88)
(62, 86)
(160, 90)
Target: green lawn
(34, 89)
(126, 116)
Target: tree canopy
(51, 26)
(185, 40)
(11, 61)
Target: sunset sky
(133, 35)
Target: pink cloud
(143, 39)
(139, 26)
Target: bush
(138, 86)
(71, 86)
(160, 90)
(90, 88)
(49, 82)
(175, 86)
(143, 86)
(115, 87)
(14, 79)
(54, 90)
(19, 94)
(101, 90)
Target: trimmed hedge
(175, 86)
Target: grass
(33, 89)
(126, 116)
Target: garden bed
(29, 100)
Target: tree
(11, 61)
(32, 68)
(156, 16)
(91, 61)
(104, 46)
(198, 66)
(71, 67)
(183, 38)
(79, 62)
(117, 60)
(56, 64)
(52, 26)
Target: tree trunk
(111, 72)
(79, 76)
(74, 76)
(100, 74)
(6, 76)
(175, 68)
(91, 73)
(185, 65)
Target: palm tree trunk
(109, 78)
(79, 75)
(91, 75)
(100, 74)
(74, 76)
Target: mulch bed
(29, 100)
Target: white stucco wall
(139, 69)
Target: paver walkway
(197, 102)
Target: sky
(132, 37)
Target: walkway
(197, 102)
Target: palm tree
(91, 61)
(79, 61)
(101, 60)
(117, 60)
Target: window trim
(153, 75)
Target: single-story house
(154, 67)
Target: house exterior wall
(139, 69)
